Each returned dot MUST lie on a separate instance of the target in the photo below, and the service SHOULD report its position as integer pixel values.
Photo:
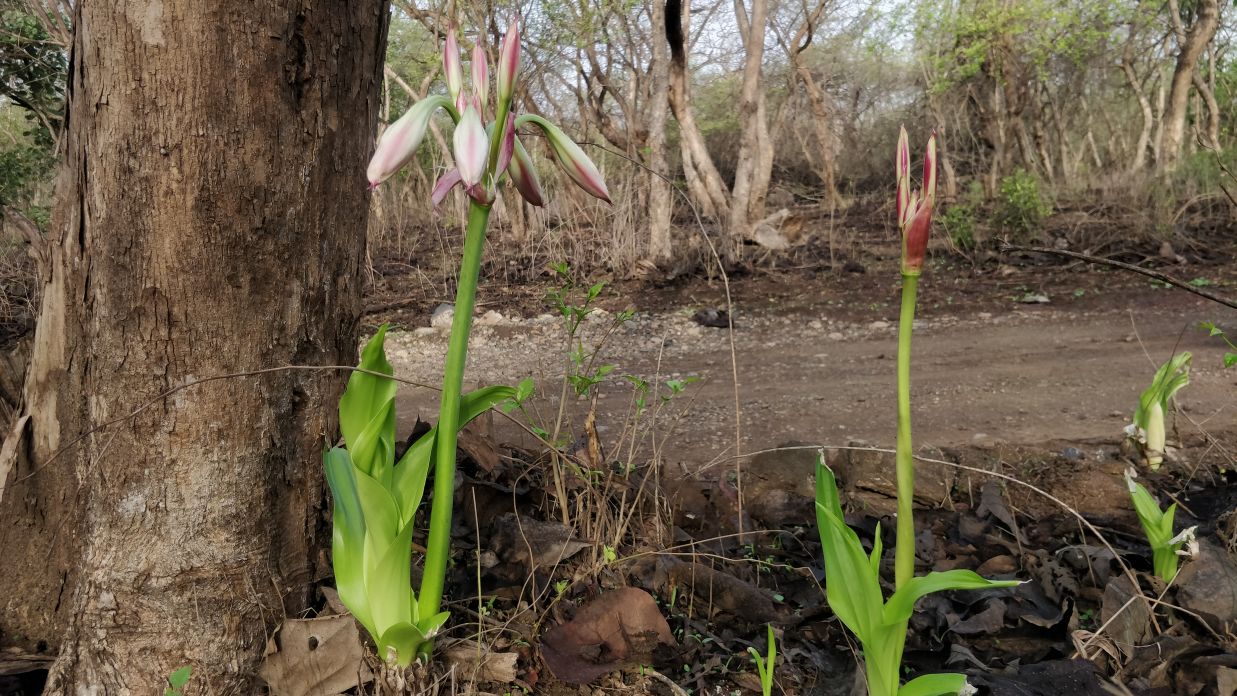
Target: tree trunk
(1190, 45)
(660, 248)
(753, 129)
(210, 219)
(707, 185)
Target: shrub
(1023, 206)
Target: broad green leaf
(431, 626)
(934, 685)
(404, 638)
(366, 394)
(851, 586)
(902, 604)
(389, 584)
(347, 535)
(408, 482)
(382, 523)
(373, 448)
(1230, 359)
(1149, 514)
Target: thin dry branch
(1125, 267)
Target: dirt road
(1022, 374)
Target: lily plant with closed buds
(376, 498)
(852, 576)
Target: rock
(715, 318)
(424, 331)
(853, 266)
(870, 477)
(836, 336)
(442, 316)
(984, 441)
(779, 486)
(1034, 298)
(1207, 585)
(1072, 453)
(878, 325)
(491, 318)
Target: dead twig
(1125, 267)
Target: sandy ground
(1027, 374)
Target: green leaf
(408, 481)
(366, 394)
(852, 588)
(373, 449)
(1169, 379)
(180, 677)
(1230, 359)
(404, 638)
(934, 685)
(387, 580)
(347, 535)
(902, 604)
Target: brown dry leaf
(475, 662)
(315, 657)
(618, 626)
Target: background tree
(210, 219)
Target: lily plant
(376, 498)
(1158, 526)
(1148, 426)
(852, 576)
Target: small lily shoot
(1158, 526)
(1148, 427)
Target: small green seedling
(1230, 356)
(177, 681)
(766, 665)
(1148, 426)
(852, 584)
(1158, 526)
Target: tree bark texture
(1191, 44)
(660, 249)
(210, 219)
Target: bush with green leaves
(1023, 206)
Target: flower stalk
(376, 499)
(914, 210)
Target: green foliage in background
(1023, 205)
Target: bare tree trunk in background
(1138, 158)
(826, 168)
(210, 218)
(706, 185)
(1211, 130)
(660, 248)
(752, 128)
(1191, 43)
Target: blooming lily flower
(915, 208)
(485, 144)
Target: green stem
(438, 549)
(904, 554)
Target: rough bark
(1191, 42)
(753, 129)
(707, 187)
(210, 219)
(660, 249)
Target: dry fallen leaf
(621, 625)
(315, 657)
(475, 662)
